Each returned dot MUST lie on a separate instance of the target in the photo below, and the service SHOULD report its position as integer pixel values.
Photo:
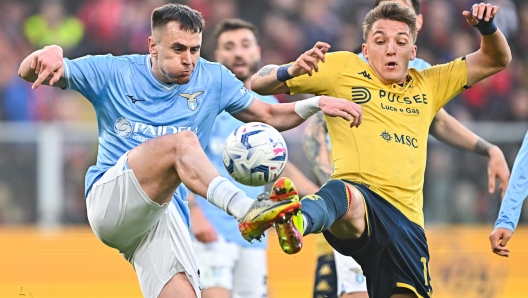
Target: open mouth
(391, 65)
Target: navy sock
(324, 207)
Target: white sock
(224, 194)
(239, 205)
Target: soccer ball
(255, 154)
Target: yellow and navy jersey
(388, 151)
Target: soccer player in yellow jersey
(371, 209)
(338, 276)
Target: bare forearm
(495, 47)
(281, 116)
(191, 201)
(265, 81)
(450, 131)
(493, 56)
(315, 148)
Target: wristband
(486, 27)
(282, 73)
(308, 107)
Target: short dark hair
(231, 25)
(416, 4)
(390, 10)
(190, 20)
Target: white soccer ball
(255, 154)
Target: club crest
(192, 103)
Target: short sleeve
(321, 82)
(88, 75)
(234, 97)
(446, 80)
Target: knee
(183, 141)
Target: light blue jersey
(224, 224)
(133, 106)
(516, 192)
(417, 63)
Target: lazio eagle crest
(192, 104)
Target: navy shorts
(392, 251)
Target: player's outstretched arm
(44, 66)
(316, 149)
(450, 131)
(494, 53)
(284, 116)
(511, 206)
(200, 226)
(271, 79)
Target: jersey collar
(158, 82)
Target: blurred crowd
(286, 29)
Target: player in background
(155, 114)
(371, 209)
(229, 265)
(347, 277)
(511, 205)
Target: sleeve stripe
(248, 103)
(67, 74)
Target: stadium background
(48, 139)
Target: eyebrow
(180, 45)
(384, 33)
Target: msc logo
(401, 139)
(360, 95)
(192, 104)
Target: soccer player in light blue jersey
(511, 205)
(155, 114)
(229, 265)
(347, 280)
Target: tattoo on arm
(315, 148)
(266, 70)
(482, 147)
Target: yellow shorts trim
(404, 285)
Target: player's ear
(152, 46)
(364, 50)
(419, 21)
(413, 53)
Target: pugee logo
(143, 131)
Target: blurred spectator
(105, 26)
(53, 26)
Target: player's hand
(48, 62)
(497, 168)
(499, 238)
(309, 60)
(201, 227)
(479, 12)
(338, 107)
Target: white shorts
(350, 278)
(153, 238)
(242, 270)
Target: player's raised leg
(336, 205)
